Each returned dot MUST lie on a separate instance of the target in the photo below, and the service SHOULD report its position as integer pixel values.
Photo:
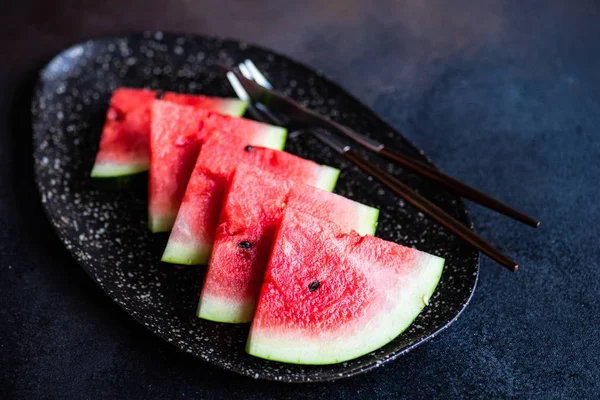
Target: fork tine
(243, 95)
(245, 71)
(257, 75)
(237, 87)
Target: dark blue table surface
(505, 95)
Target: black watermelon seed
(314, 286)
(245, 244)
(248, 148)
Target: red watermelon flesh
(329, 297)
(192, 235)
(253, 205)
(176, 135)
(123, 148)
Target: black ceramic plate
(106, 231)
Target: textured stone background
(504, 94)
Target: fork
(261, 113)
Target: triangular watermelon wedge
(253, 205)
(191, 240)
(176, 135)
(123, 148)
(329, 297)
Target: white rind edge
(160, 223)
(273, 137)
(299, 348)
(327, 178)
(186, 254)
(213, 309)
(368, 218)
(235, 107)
(114, 170)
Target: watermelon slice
(192, 236)
(329, 297)
(176, 134)
(123, 148)
(253, 205)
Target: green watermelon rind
(139, 179)
(384, 328)
(161, 222)
(273, 137)
(328, 177)
(235, 107)
(115, 170)
(368, 217)
(219, 310)
(186, 254)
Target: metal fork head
(243, 95)
(257, 110)
(255, 74)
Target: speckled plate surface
(106, 230)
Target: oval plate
(106, 230)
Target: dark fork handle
(456, 186)
(428, 208)
(448, 182)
